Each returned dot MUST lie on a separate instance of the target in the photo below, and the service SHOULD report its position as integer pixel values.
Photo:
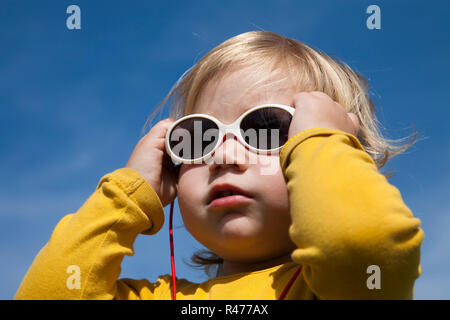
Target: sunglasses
(262, 129)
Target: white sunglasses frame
(224, 129)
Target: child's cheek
(269, 165)
(190, 186)
(272, 180)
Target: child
(324, 224)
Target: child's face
(257, 229)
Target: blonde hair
(309, 69)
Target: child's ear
(169, 165)
(177, 172)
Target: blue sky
(73, 104)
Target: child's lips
(226, 194)
(232, 200)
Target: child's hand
(150, 159)
(317, 110)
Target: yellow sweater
(345, 218)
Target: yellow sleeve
(347, 217)
(89, 245)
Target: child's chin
(237, 226)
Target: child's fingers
(318, 110)
(156, 136)
(159, 130)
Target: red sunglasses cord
(172, 260)
(172, 263)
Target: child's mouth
(224, 195)
(228, 201)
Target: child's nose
(230, 152)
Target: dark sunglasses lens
(193, 138)
(266, 128)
